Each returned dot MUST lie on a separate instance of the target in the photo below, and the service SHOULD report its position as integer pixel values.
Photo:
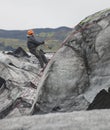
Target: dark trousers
(41, 57)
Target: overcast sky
(27, 14)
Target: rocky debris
(17, 99)
(19, 52)
(101, 101)
(19, 79)
(81, 120)
(18, 84)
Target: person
(32, 45)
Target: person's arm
(37, 43)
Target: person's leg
(45, 60)
(39, 58)
(37, 55)
(40, 61)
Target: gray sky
(27, 14)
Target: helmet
(30, 32)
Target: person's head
(30, 32)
